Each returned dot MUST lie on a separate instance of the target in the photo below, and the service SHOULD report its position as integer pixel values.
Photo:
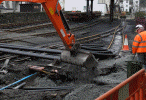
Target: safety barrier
(132, 88)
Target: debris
(22, 59)
(36, 68)
(5, 63)
(42, 69)
(20, 85)
(4, 72)
(55, 64)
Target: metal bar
(59, 87)
(107, 94)
(29, 54)
(132, 98)
(20, 85)
(141, 94)
(4, 45)
(47, 90)
(137, 96)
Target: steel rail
(24, 36)
(85, 26)
(96, 34)
(11, 25)
(114, 35)
(29, 48)
(86, 41)
(29, 28)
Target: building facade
(131, 6)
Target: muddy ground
(74, 83)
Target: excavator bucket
(82, 58)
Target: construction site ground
(83, 86)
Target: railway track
(93, 41)
(20, 57)
(89, 43)
(44, 25)
(51, 32)
(105, 48)
(14, 25)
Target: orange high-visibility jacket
(139, 43)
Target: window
(126, 5)
(137, 2)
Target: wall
(22, 17)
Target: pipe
(18, 81)
(26, 53)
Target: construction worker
(139, 45)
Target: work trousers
(142, 59)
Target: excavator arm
(53, 10)
(72, 54)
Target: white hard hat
(139, 26)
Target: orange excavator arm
(73, 54)
(53, 10)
